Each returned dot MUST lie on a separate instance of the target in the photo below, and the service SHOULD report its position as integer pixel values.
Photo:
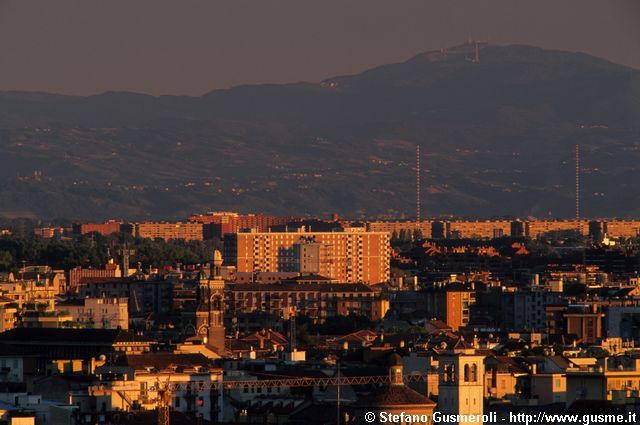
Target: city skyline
(240, 212)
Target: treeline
(95, 250)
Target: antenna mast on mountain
(577, 182)
(418, 184)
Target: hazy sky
(193, 46)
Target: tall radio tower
(577, 182)
(418, 184)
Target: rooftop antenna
(338, 394)
(477, 52)
(577, 182)
(418, 184)
(292, 331)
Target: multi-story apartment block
(34, 287)
(450, 303)
(478, 229)
(218, 224)
(353, 255)
(317, 301)
(398, 228)
(168, 231)
(106, 228)
(78, 274)
(612, 378)
(8, 312)
(524, 310)
(134, 382)
(584, 321)
(537, 228)
(622, 228)
(99, 313)
(49, 232)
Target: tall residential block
(218, 224)
(352, 255)
(450, 303)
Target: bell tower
(461, 387)
(210, 313)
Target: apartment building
(352, 255)
(399, 228)
(132, 383)
(584, 321)
(106, 228)
(169, 231)
(99, 313)
(317, 301)
(612, 378)
(478, 229)
(450, 303)
(622, 228)
(218, 224)
(538, 228)
(78, 274)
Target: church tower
(461, 388)
(210, 312)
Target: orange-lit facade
(105, 228)
(168, 231)
(77, 274)
(399, 227)
(478, 229)
(218, 224)
(622, 228)
(48, 232)
(350, 256)
(450, 303)
(538, 228)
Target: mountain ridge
(498, 137)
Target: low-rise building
(100, 313)
(136, 381)
(601, 382)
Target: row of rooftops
(302, 287)
(62, 336)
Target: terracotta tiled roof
(59, 335)
(361, 335)
(163, 361)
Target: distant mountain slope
(497, 135)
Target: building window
(474, 373)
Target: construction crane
(166, 390)
(164, 402)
